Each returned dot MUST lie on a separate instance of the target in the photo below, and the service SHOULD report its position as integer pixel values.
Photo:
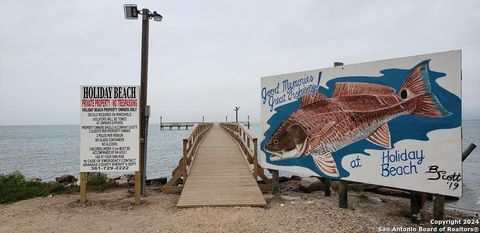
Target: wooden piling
(343, 194)
(83, 188)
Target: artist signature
(453, 180)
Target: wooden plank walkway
(220, 175)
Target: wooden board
(220, 176)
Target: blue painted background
(402, 127)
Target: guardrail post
(185, 160)
(255, 159)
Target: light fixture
(131, 11)
(156, 16)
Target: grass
(14, 187)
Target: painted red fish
(355, 112)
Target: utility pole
(143, 92)
(132, 12)
(236, 113)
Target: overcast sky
(208, 56)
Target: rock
(36, 180)
(157, 182)
(16, 173)
(66, 179)
(294, 177)
(131, 182)
(282, 179)
(123, 181)
(391, 192)
(310, 184)
(290, 198)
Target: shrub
(14, 187)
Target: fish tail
(418, 84)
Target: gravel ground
(113, 211)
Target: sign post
(109, 132)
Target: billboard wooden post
(275, 182)
(415, 202)
(83, 188)
(343, 194)
(328, 191)
(342, 184)
(438, 206)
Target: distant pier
(189, 125)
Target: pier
(189, 125)
(219, 168)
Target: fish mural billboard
(394, 123)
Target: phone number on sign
(109, 168)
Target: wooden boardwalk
(220, 176)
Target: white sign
(394, 123)
(109, 128)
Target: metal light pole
(131, 12)
(236, 113)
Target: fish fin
(310, 99)
(356, 88)
(381, 137)
(316, 138)
(417, 82)
(326, 164)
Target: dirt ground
(113, 211)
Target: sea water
(53, 150)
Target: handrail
(248, 144)
(190, 145)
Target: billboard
(109, 128)
(394, 123)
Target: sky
(206, 57)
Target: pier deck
(220, 175)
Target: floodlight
(131, 11)
(156, 16)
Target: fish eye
(275, 141)
(403, 94)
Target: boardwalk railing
(190, 145)
(249, 146)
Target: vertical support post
(83, 188)
(343, 194)
(138, 185)
(143, 87)
(275, 182)
(415, 201)
(236, 113)
(328, 191)
(342, 185)
(185, 160)
(255, 158)
(161, 123)
(203, 119)
(438, 206)
(248, 122)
